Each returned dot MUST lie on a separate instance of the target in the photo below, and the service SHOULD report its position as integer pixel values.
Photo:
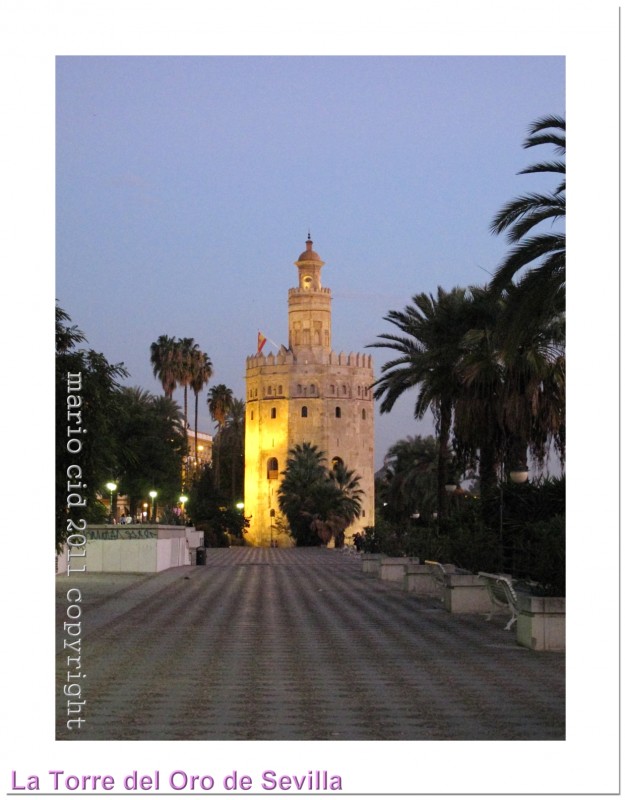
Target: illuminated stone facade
(306, 393)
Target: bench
(439, 572)
(502, 595)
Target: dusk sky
(186, 187)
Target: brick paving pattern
(296, 644)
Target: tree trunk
(197, 394)
(443, 459)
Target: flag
(261, 342)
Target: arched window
(364, 414)
(273, 413)
(251, 415)
(272, 469)
(337, 412)
(304, 411)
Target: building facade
(306, 392)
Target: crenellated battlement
(284, 356)
(309, 292)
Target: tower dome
(309, 254)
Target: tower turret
(310, 313)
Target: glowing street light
(183, 499)
(153, 495)
(112, 487)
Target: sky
(172, 196)
(186, 187)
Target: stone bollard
(371, 563)
(418, 579)
(466, 594)
(541, 624)
(393, 568)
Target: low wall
(132, 548)
(541, 624)
(370, 563)
(393, 568)
(418, 579)
(466, 594)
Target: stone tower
(306, 393)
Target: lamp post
(112, 487)
(183, 499)
(153, 495)
(518, 474)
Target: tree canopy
(318, 502)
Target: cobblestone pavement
(295, 644)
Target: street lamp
(519, 473)
(183, 499)
(153, 494)
(112, 487)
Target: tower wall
(308, 393)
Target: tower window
(337, 461)
(272, 469)
(337, 412)
(273, 413)
(251, 415)
(304, 411)
(364, 414)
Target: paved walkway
(296, 644)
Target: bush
(524, 536)
(539, 554)
(384, 538)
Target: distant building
(306, 393)
(194, 462)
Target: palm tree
(232, 439)
(510, 398)
(187, 353)
(348, 503)
(202, 371)
(303, 491)
(428, 346)
(164, 359)
(219, 404)
(543, 254)
(410, 481)
(482, 375)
